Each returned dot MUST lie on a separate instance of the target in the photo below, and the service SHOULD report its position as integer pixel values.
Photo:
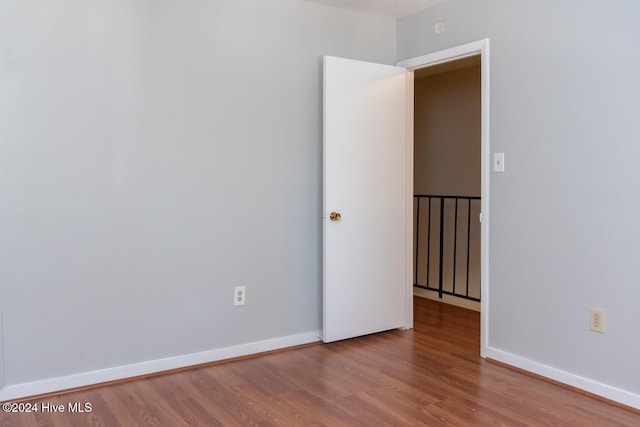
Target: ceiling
(395, 8)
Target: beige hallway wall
(447, 162)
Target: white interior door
(365, 182)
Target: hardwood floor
(431, 375)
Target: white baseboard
(612, 393)
(17, 391)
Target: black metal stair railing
(447, 248)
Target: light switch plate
(498, 162)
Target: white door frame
(480, 47)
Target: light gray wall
(565, 110)
(152, 156)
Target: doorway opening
(447, 130)
(478, 49)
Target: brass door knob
(335, 216)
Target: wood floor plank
(218, 391)
(431, 375)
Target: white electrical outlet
(596, 320)
(239, 295)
